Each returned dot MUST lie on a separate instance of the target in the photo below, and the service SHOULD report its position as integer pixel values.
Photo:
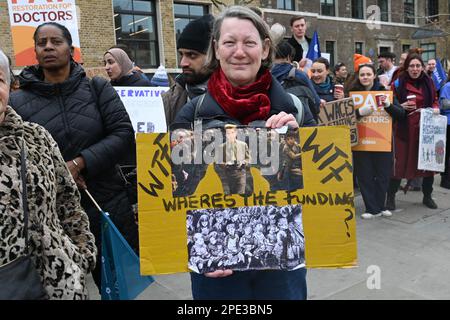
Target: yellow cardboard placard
(327, 199)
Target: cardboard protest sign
(375, 130)
(340, 112)
(145, 108)
(26, 15)
(432, 140)
(327, 195)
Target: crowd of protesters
(233, 72)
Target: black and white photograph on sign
(246, 238)
(234, 152)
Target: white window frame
(363, 46)
(389, 44)
(336, 12)
(364, 11)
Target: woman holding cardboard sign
(415, 90)
(373, 169)
(241, 91)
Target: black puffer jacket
(135, 79)
(93, 125)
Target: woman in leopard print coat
(59, 236)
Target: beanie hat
(359, 59)
(160, 78)
(196, 35)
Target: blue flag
(121, 279)
(314, 48)
(439, 77)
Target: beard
(194, 77)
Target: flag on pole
(314, 48)
(313, 51)
(121, 278)
(439, 77)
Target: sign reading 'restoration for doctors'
(338, 113)
(26, 15)
(145, 107)
(432, 138)
(185, 214)
(375, 130)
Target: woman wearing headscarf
(88, 121)
(120, 70)
(412, 81)
(58, 240)
(242, 91)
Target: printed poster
(375, 130)
(207, 199)
(432, 139)
(26, 15)
(338, 113)
(145, 107)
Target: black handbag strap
(23, 174)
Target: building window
(429, 51)
(384, 10)
(330, 48)
(185, 13)
(328, 7)
(286, 4)
(432, 11)
(359, 47)
(135, 26)
(358, 9)
(409, 11)
(406, 47)
(384, 49)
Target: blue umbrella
(121, 278)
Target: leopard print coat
(60, 240)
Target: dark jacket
(213, 115)
(178, 96)
(100, 131)
(174, 100)
(281, 72)
(325, 90)
(298, 48)
(136, 79)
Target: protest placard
(340, 112)
(432, 139)
(145, 107)
(375, 130)
(327, 195)
(26, 15)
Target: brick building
(150, 27)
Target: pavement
(403, 257)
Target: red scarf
(245, 104)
